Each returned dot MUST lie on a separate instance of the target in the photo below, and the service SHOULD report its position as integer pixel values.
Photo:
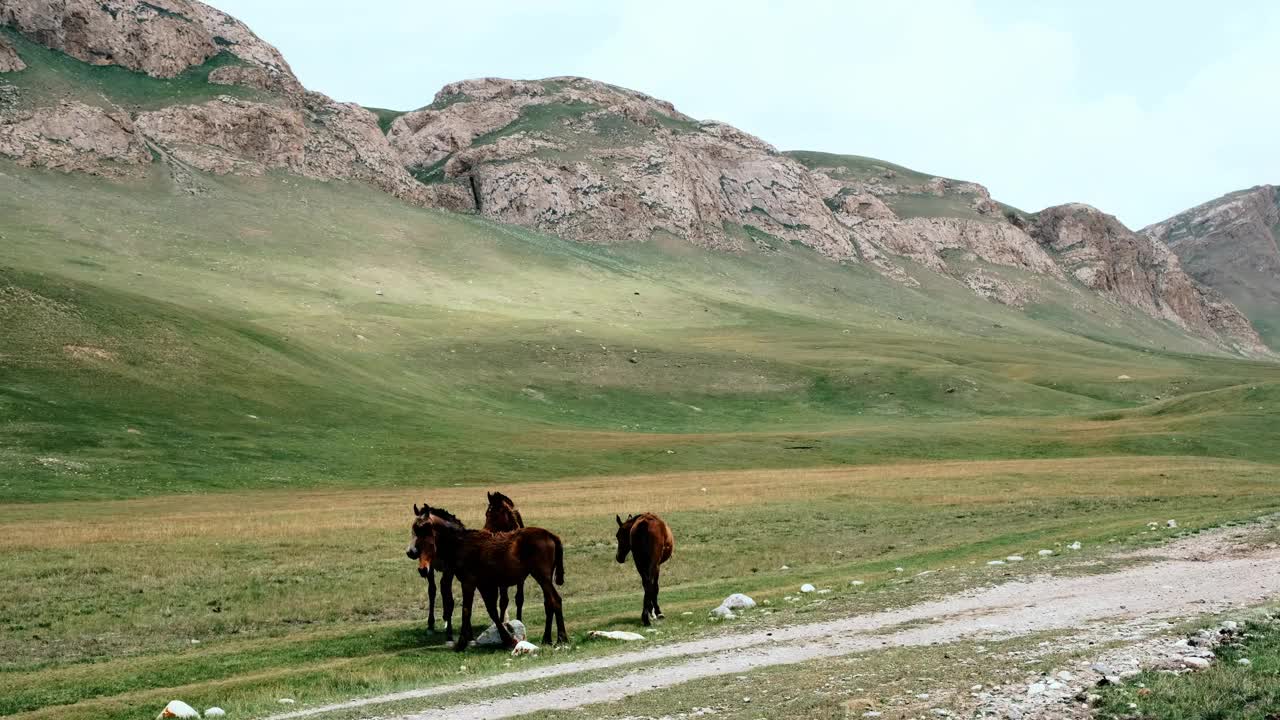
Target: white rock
(856, 583)
(1075, 545)
(807, 588)
(1172, 524)
(785, 567)
(941, 713)
(687, 612)
(1230, 625)
(1114, 679)
(524, 647)
(178, 709)
(491, 638)
(897, 569)
(975, 688)
(1244, 661)
(1065, 676)
(995, 562)
(738, 601)
(214, 712)
(922, 696)
(1123, 377)
(1195, 663)
(622, 635)
(1036, 688)
(1014, 558)
(872, 714)
(287, 701)
(1100, 668)
(1045, 553)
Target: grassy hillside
(282, 333)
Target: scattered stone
(1195, 663)
(898, 569)
(178, 709)
(1230, 625)
(524, 647)
(807, 588)
(1045, 553)
(1014, 558)
(1075, 545)
(1036, 688)
(290, 701)
(214, 712)
(856, 583)
(622, 635)
(1172, 524)
(995, 562)
(1244, 661)
(491, 638)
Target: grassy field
(241, 599)
(216, 411)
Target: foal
(425, 515)
(502, 516)
(650, 542)
(487, 561)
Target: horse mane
(503, 498)
(447, 516)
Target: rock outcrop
(75, 137)
(1232, 245)
(161, 38)
(587, 161)
(597, 163)
(9, 60)
(1138, 271)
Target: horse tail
(559, 560)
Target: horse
(650, 543)
(487, 561)
(502, 516)
(431, 516)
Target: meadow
(217, 410)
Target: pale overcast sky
(1142, 108)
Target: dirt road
(1197, 576)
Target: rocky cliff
(570, 156)
(1231, 245)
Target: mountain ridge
(570, 156)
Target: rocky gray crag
(9, 60)
(1232, 245)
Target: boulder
(492, 638)
(524, 647)
(178, 709)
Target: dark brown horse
(425, 515)
(650, 543)
(487, 562)
(502, 516)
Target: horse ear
(619, 519)
(490, 497)
(416, 511)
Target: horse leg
(490, 596)
(648, 595)
(465, 634)
(657, 611)
(520, 601)
(548, 607)
(446, 580)
(503, 602)
(431, 600)
(562, 637)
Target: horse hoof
(644, 620)
(660, 616)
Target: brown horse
(487, 561)
(502, 516)
(650, 543)
(434, 515)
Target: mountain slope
(1232, 244)
(575, 157)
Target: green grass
(385, 117)
(1226, 691)
(52, 76)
